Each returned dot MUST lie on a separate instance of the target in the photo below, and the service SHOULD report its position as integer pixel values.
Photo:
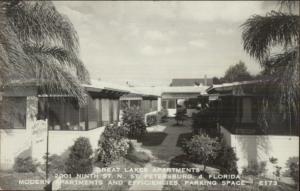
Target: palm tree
(39, 45)
(278, 29)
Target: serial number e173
(267, 183)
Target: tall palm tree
(39, 45)
(278, 29)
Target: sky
(149, 43)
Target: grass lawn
(182, 138)
(153, 138)
(122, 163)
(10, 181)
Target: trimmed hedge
(80, 157)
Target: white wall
(171, 112)
(60, 141)
(14, 142)
(261, 148)
(29, 142)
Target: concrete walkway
(163, 153)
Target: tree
(260, 35)
(39, 45)
(217, 80)
(133, 121)
(201, 149)
(237, 72)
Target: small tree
(180, 115)
(201, 149)
(133, 121)
(112, 144)
(80, 157)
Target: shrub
(56, 164)
(294, 168)
(24, 164)
(226, 159)
(163, 115)
(133, 121)
(80, 157)
(151, 119)
(112, 144)
(180, 115)
(255, 169)
(204, 122)
(201, 149)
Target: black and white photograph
(149, 95)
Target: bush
(255, 169)
(56, 164)
(163, 115)
(226, 159)
(24, 165)
(80, 157)
(180, 115)
(112, 145)
(151, 119)
(205, 122)
(133, 121)
(201, 149)
(293, 164)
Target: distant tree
(237, 72)
(217, 80)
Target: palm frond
(281, 60)
(12, 57)
(40, 21)
(54, 78)
(260, 33)
(63, 56)
(289, 5)
(40, 45)
(284, 88)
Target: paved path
(161, 154)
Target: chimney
(205, 80)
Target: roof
(100, 85)
(191, 82)
(225, 87)
(159, 90)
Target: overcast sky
(149, 43)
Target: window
(124, 104)
(93, 113)
(154, 105)
(135, 103)
(164, 104)
(171, 104)
(63, 114)
(13, 113)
